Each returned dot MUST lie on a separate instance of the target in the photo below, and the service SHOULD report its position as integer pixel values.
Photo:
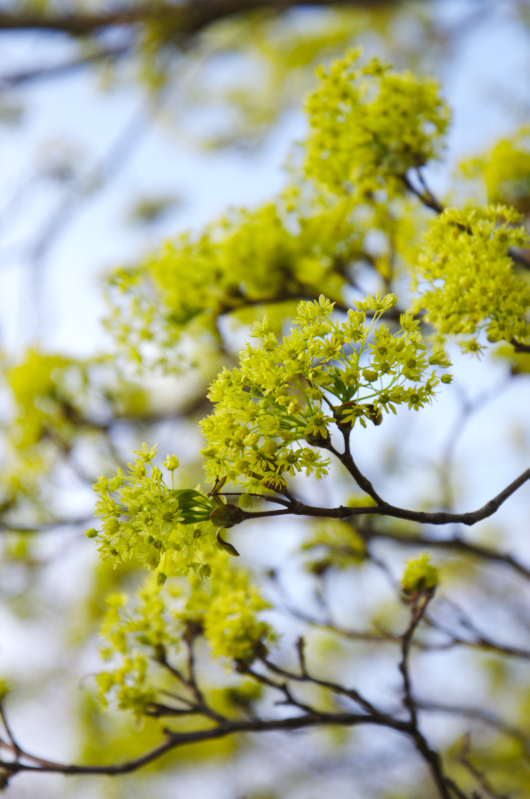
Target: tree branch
(455, 543)
(418, 606)
(426, 197)
(351, 693)
(45, 527)
(477, 774)
(519, 346)
(477, 714)
(176, 739)
(430, 201)
(383, 508)
(223, 726)
(184, 20)
(31, 75)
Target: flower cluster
(369, 125)
(196, 279)
(467, 282)
(224, 609)
(273, 410)
(506, 172)
(41, 401)
(56, 399)
(419, 576)
(143, 518)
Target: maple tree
(326, 362)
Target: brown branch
(519, 346)
(43, 73)
(351, 693)
(45, 527)
(75, 24)
(426, 197)
(300, 649)
(157, 710)
(476, 773)
(199, 704)
(14, 745)
(478, 714)
(184, 20)
(282, 687)
(176, 739)
(347, 461)
(223, 727)
(455, 544)
(383, 508)
(382, 637)
(480, 640)
(192, 631)
(418, 606)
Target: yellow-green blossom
(466, 279)
(224, 609)
(287, 394)
(420, 575)
(369, 125)
(142, 517)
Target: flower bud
(171, 463)
(374, 414)
(226, 516)
(370, 375)
(270, 447)
(420, 576)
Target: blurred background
(119, 131)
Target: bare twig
(426, 196)
(351, 693)
(418, 606)
(383, 508)
(14, 745)
(454, 544)
(13, 79)
(476, 773)
(477, 714)
(184, 20)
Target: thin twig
(476, 773)
(14, 745)
(477, 714)
(386, 509)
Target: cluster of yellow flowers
(467, 280)
(143, 518)
(275, 413)
(369, 125)
(281, 397)
(224, 609)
